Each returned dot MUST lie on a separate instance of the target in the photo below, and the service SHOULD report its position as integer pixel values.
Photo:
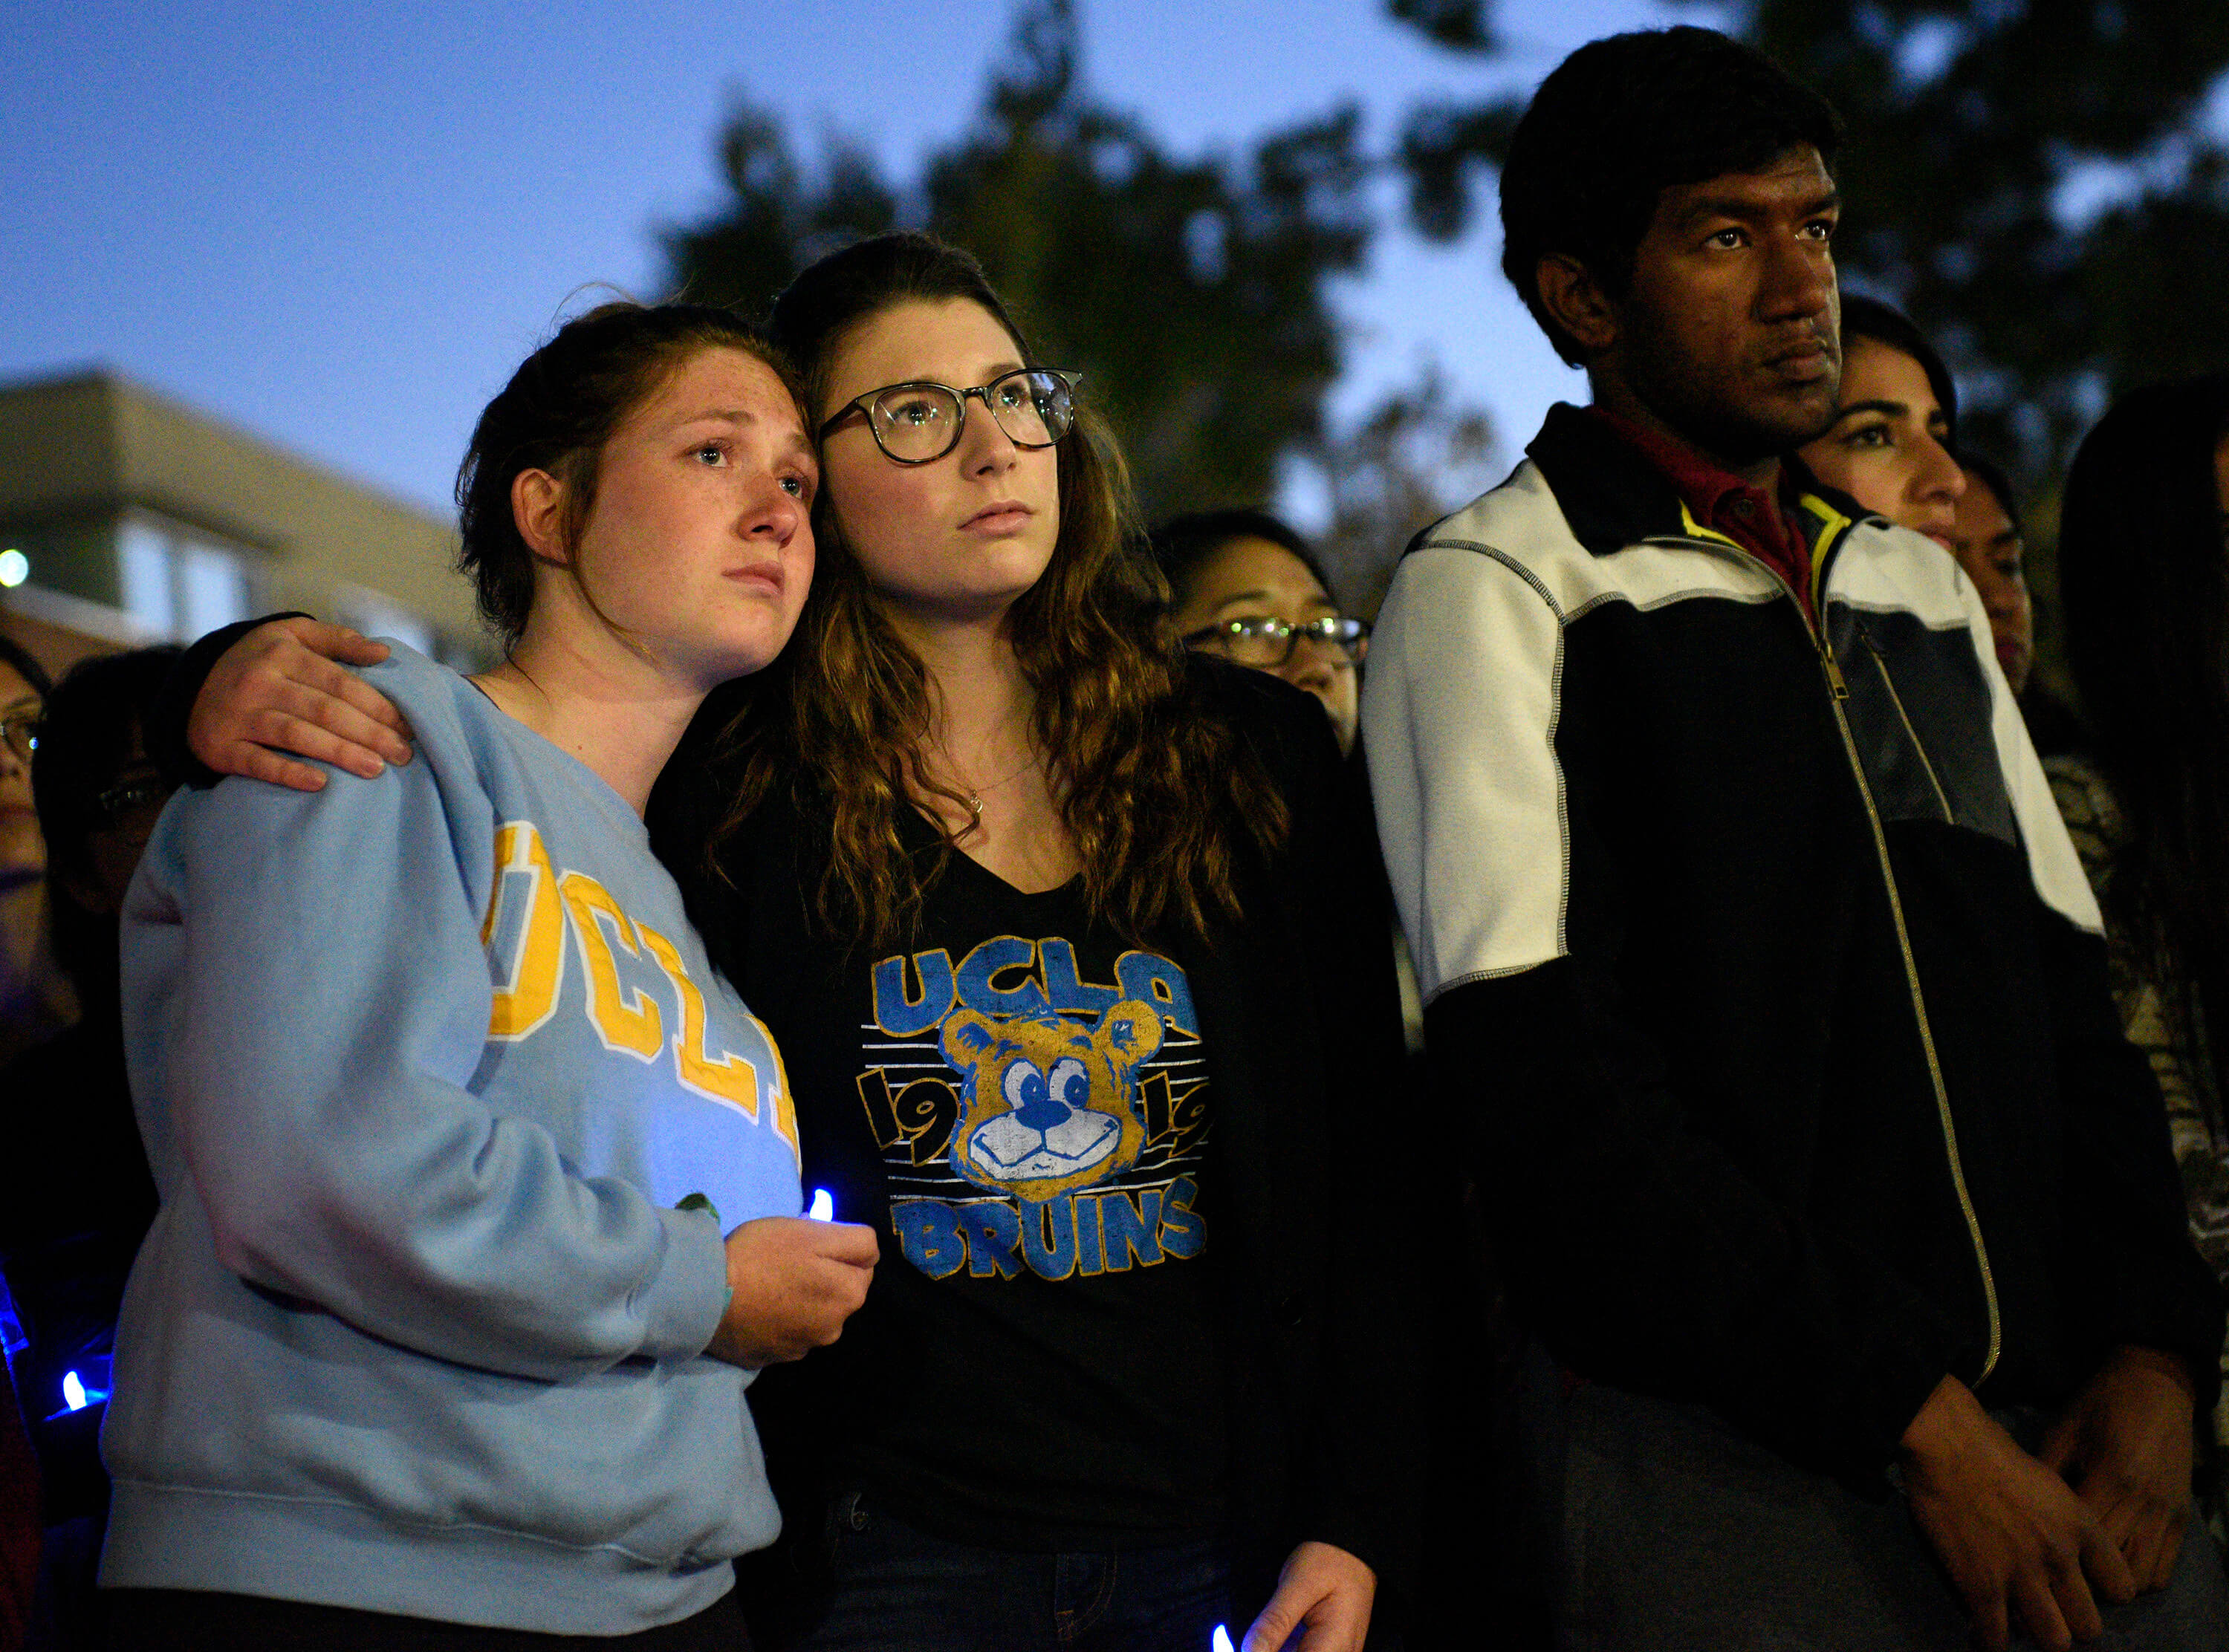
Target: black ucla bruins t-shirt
(1035, 1366)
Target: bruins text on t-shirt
(1035, 1366)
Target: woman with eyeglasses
(1085, 1014)
(1246, 586)
(35, 1000)
(68, 1233)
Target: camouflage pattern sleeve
(2168, 1029)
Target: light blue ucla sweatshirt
(425, 1064)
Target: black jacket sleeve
(1318, 1117)
(166, 731)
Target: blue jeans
(900, 1589)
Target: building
(126, 518)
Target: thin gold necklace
(975, 793)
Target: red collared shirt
(1722, 502)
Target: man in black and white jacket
(1758, 958)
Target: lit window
(212, 588)
(143, 565)
(177, 585)
(376, 614)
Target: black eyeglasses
(123, 798)
(917, 422)
(1267, 643)
(19, 727)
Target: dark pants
(1673, 1532)
(900, 1589)
(183, 1620)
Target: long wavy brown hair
(1160, 798)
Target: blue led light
(77, 1393)
(823, 1208)
(1222, 1641)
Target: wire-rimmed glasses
(1266, 642)
(918, 421)
(19, 730)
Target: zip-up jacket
(1760, 962)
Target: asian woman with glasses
(35, 1000)
(1246, 586)
(1084, 1014)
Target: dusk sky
(341, 226)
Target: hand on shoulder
(284, 691)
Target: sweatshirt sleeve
(308, 1001)
(1632, 1240)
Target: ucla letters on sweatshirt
(425, 1064)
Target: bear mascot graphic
(1045, 1105)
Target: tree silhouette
(1415, 456)
(1190, 293)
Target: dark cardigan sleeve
(1359, 1458)
(165, 733)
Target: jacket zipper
(1926, 763)
(1838, 687)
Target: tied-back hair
(1160, 798)
(2144, 574)
(1885, 324)
(556, 414)
(14, 655)
(1183, 546)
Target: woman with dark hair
(1989, 544)
(1243, 585)
(69, 1230)
(436, 1342)
(35, 1000)
(1073, 1007)
(2144, 567)
(1890, 445)
(1087, 1016)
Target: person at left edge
(448, 1111)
